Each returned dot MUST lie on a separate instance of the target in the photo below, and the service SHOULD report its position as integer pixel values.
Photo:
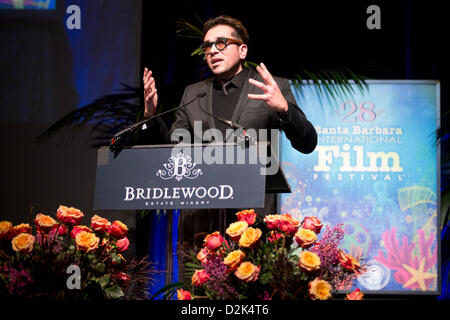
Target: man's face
(226, 63)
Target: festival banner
(375, 170)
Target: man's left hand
(271, 92)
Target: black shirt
(226, 96)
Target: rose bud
(69, 215)
(355, 295)
(118, 230)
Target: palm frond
(108, 115)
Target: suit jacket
(251, 114)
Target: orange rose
(77, 229)
(355, 295)
(44, 223)
(234, 259)
(312, 223)
(23, 243)
(69, 215)
(213, 241)
(6, 229)
(118, 230)
(22, 228)
(236, 229)
(183, 295)
(250, 237)
(247, 215)
(203, 254)
(86, 241)
(247, 272)
(305, 238)
(348, 262)
(309, 261)
(319, 289)
(100, 224)
(199, 277)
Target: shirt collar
(236, 81)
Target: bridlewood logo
(179, 166)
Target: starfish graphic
(418, 275)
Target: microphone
(231, 124)
(241, 134)
(143, 124)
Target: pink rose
(203, 254)
(118, 229)
(247, 215)
(183, 295)
(313, 224)
(213, 241)
(200, 277)
(355, 295)
(100, 224)
(122, 244)
(69, 215)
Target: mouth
(215, 61)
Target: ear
(243, 51)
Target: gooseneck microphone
(142, 124)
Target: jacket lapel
(243, 98)
(209, 101)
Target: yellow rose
(6, 228)
(234, 259)
(44, 223)
(305, 238)
(86, 241)
(249, 237)
(247, 272)
(309, 261)
(319, 289)
(23, 243)
(236, 229)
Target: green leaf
(104, 280)
(113, 292)
(116, 258)
(100, 267)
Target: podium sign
(168, 177)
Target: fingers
(257, 83)
(265, 74)
(264, 97)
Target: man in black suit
(254, 100)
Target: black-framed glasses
(220, 44)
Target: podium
(188, 177)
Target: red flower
(118, 230)
(313, 224)
(122, 244)
(70, 216)
(247, 215)
(213, 241)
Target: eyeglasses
(220, 44)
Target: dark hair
(241, 31)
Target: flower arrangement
(279, 258)
(63, 259)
